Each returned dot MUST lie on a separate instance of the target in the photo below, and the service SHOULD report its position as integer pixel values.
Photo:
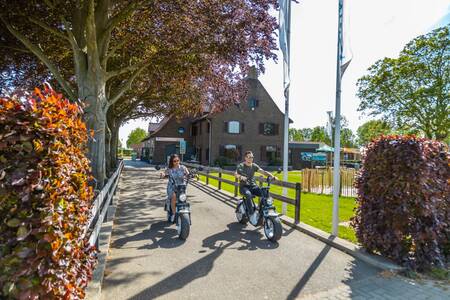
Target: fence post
(298, 195)
(235, 186)
(207, 176)
(220, 181)
(323, 183)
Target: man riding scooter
(245, 173)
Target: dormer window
(253, 103)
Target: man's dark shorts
(250, 190)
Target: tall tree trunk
(114, 145)
(113, 125)
(92, 91)
(108, 158)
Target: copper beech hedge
(44, 198)
(403, 200)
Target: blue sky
(377, 29)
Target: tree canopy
(115, 54)
(412, 91)
(371, 130)
(136, 136)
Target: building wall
(201, 140)
(170, 130)
(250, 138)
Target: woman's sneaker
(172, 219)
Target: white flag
(284, 29)
(346, 52)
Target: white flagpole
(337, 120)
(286, 83)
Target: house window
(268, 128)
(272, 154)
(253, 103)
(234, 127)
(231, 152)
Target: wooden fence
(320, 181)
(100, 207)
(206, 171)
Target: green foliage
(296, 135)
(403, 201)
(319, 134)
(412, 91)
(223, 161)
(136, 136)
(44, 199)
(347, 138)
(371, 130)
(125, 153)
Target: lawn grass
(315, 210)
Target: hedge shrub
(403, 199)
(44, 198)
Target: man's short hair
(247, 153)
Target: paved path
(223, 260)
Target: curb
(336, 242)
(344, 245)
(94, 288)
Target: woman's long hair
(172, 157)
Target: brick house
(256, 125)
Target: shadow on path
(178, 280)
(162, 234)
(307, 275)
(237, 233)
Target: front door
(171, 149)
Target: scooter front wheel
(273, 228)
(183, 226)
(241, 216)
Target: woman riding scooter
(178, 173)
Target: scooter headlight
(269, 201)
(183, 197)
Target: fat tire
(277, 229)
(243, 219)
(185, 226)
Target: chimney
(252, 73)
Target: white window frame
(232, 126)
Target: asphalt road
(221, 258)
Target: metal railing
(100, 207)
(206, 171)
